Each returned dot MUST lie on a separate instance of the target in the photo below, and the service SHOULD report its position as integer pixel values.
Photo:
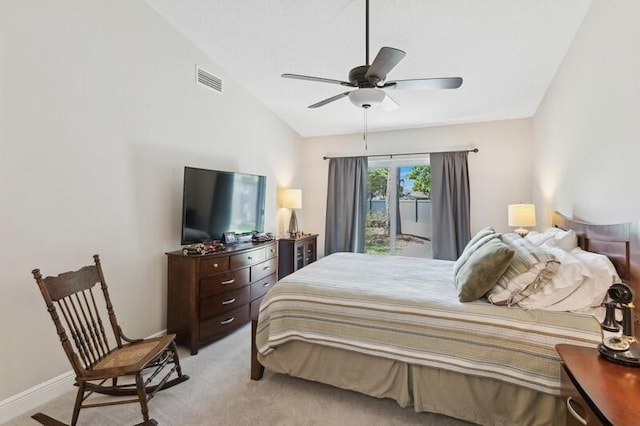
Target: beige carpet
(221, 393)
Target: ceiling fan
(369, 80)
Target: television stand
(211, 295)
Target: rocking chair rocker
(96, 362)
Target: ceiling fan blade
(317, 79)
(329, 100)
(425, 83)
(385, 60)
(389, 104)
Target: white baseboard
(28, 400)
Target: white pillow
(594, 288)
(537, 238)
(530, 269)
(570, 276)
(566, 240)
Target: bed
(417, 344)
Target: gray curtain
(450, 203)
(346, 205)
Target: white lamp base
(521, 231)
(293, 224)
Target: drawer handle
(215, 265)
(265, 268)
(573, 411)
(227, 302)
(227, 321)
(266, 284)
(249, 257)
(231, 281)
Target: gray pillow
(482, 270)
(484, 235)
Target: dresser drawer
(263, 269)
(226, 281)
(247, 259)
(214, 265)
(271, 251)
(223, 302)
(577, 407)
(223, 322)
(260, 288)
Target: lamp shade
(522, 215)
(290, 198)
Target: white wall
(586, 131)
(99, 115)
(500, 173)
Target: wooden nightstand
(296, 253)
(598, 391)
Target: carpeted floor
(221, 393)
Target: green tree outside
(422, 179)
(377, 181)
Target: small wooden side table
(604, 392)
(296, 253)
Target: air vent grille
(209, 80)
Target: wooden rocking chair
(96, 362)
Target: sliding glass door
(399, 208)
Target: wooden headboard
(619, 242)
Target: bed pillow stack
(590, 291)
(545, 270)
(482, 263)
(530, 269)
(563, 286)
(582, 280)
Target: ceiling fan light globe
(366, 97)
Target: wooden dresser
(596, 391)
(208, 296)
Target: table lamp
(291, 199)
(522, 215)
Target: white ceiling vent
(207, 79)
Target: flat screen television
(215, 202)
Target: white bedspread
(407, 309)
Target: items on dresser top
(202, 248)
(209, 296)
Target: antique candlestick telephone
(620, 349)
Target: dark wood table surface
(612, 388)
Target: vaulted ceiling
(506, 51)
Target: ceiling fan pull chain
(365, 130)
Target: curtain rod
(326, 157)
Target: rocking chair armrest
(126, 339)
